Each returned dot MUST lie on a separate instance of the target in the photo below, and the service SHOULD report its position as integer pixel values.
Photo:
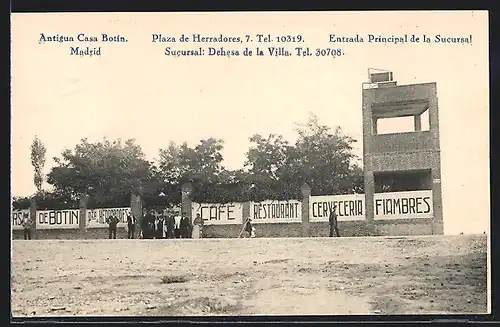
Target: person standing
(144, 226)
(332, 220)
(177, 226)
(131, 221)
(249, 229)
(155, 227)
(151, 229)
(148, 225)
(185, 226)
(164, 226)
(159, 227)
(26, 223)
(198, 227)
(170, 225)
(112, 222)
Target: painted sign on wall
(17, 218)
(219, 214)
(403, 205)
(273, 211)
(58, 219)
(96, 218)
(348, 207)
(386, 206)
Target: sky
(134, 91)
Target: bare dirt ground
(287, 276)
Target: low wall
(322, 229)
(102, 233)
(278, 230)
(71, 234)
(271, 218)
(221, 231)
(18, 235)
(346, 229)
(404, 227)
(262, 230)
(58, 234)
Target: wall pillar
(369, 199)
(83, 215)
(136, 210)
(437, 221)
(33, 229)
(437, 225)
(369, 130)
(417, 122)
(246, 211)
(306, 197)
(186, 203)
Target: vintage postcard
(250, 163)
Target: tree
(180, 163)
(324, 159)
(157, 192)
(320, 157)
(38, 151)
(21, 202)
(274, 169)
(267, 156)
(265, 164)
(106, 171)
(201, 166)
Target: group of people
(170, 225)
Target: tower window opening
(395, 125)
(425, 120)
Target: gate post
(33, 229)
(246, 210)
(306, 225)
(186, 203)
(136, 211)
(83, 215)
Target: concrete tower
(408, 161)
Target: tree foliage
(320, 157)
(324, 159)
(109, 171)
(201, 166)
(46, 200)
(38, 152)
(105, 171)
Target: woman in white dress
(197, 227)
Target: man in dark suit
(131, 221)
(159, 227)
(332, 219)
(170, 225)
(26, 223)
(112, 222)
(249, 227)
(147, 225)
(185, 226)
(177, 225)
